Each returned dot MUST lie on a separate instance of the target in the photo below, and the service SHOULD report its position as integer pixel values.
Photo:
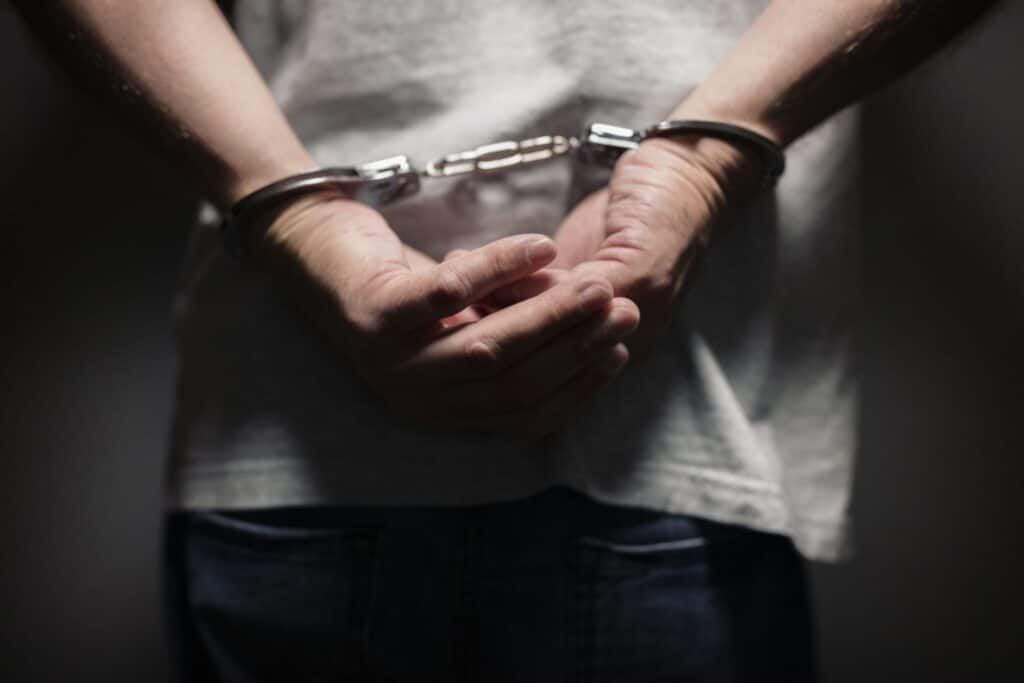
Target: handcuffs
(382, 182)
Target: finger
(505, 337)
(422, 297)
(609, 266)
(563, 357)
(555, 410)
(455, 253)
(526, 288)
(540, 373)
(464, 317)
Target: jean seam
(641, 549)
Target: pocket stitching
(652, 549)
(237, 536)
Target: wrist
(240, 182)
(741, 168)
(724, 175)
(737, 170)
(297, 227)
(703, 104)
(310, 247)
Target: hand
(412, 333)
(641, 232)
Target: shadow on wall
(95, 227)
(935, 593)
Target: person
(479, 433)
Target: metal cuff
(375, 183)
(772, 157)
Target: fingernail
(594, 294)
(540, 250)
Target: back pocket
(647, 611)
(280, 601)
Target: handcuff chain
(601, 144)
(388, 179)
(500, 156)
(381, 182)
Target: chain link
(384, 181)
(500, 156)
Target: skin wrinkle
(233, 152)
(667, 177)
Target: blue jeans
(555, 587)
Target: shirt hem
(716, 496)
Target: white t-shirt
(744, 413)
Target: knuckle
(451, 288)
(566, 311)
(581, 281)
(580, 297)
(483, 354)
(506, 261)
(570, 300)
(553, 278)
(554, 308)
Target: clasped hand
(417, 330)
(512, 336)
(642, 231)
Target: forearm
(803, 60)
(179, 70)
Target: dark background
(93, 228)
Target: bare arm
(802, 60)
(177, 69)
(799, 62)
